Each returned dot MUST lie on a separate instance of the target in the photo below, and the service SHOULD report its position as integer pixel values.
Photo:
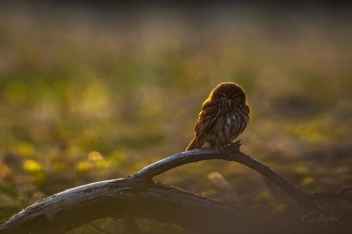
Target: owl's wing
(206, 118)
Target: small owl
(224, 116)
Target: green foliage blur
(90, 95)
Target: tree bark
(139, 196)
(115, 198)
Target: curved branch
(232, 153)
(139, 196)
(116, 198)
(332, 195)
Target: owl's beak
(229, 102)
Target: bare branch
(232, 153)
(115, 198)
(341, 195)
(140, 197)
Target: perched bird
(224, 115)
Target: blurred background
(94, 91)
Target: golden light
(94, 155)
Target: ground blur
(91, 94)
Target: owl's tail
(192, 145)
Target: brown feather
(192, 145)
(224, 115)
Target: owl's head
(228, 93)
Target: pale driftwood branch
(232, 153)
(116, 198)
(138, 196)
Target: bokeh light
(91, 93)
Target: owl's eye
(235, 97)
(223, 97)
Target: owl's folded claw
(233, 146)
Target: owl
(224, 115)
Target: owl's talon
(234, 146)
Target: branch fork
(140, 197)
